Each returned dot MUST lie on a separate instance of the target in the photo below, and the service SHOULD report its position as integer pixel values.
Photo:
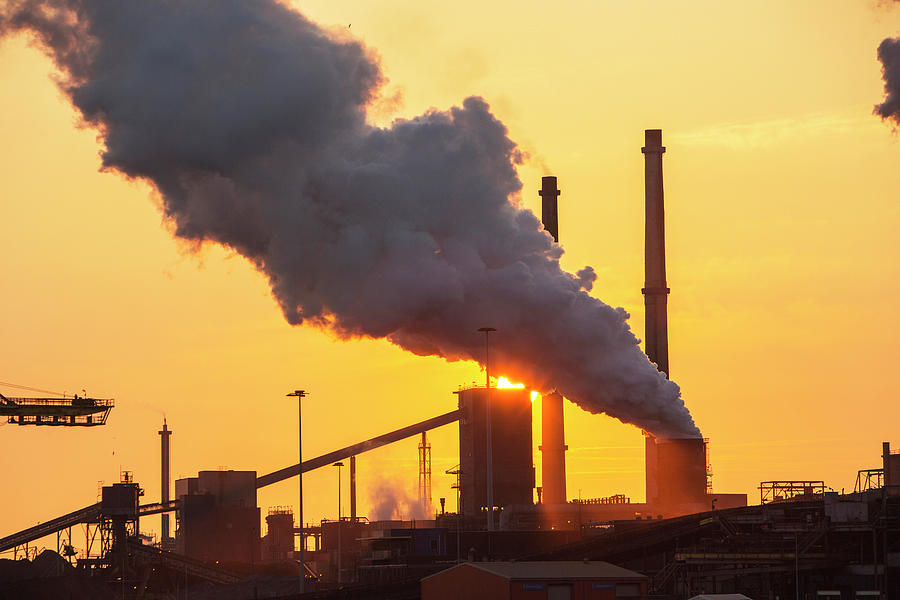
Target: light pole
(339, 465)
(456, 472)
(300, 394)
(489, 442)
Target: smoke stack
(164, 435)
(651, 469)
(656, 338)
(352, 489)
(549, 213)
(656, 344)
(553, 447)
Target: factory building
(556, 580)
(218, 519)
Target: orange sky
(781, 193)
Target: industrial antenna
(425, 475)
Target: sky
(782, 256)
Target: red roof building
(547, 580)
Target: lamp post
(489, 442)
(300, 394)
(339, 465)
(456, 472)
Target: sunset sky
(782, 247)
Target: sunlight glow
(503, 382)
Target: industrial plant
(510, 536)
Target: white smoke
(251, 122)
(390, 500)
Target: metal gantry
(66, 412)
(777, 491)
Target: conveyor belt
(376, 442)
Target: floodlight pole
(489, 451)
(300, 394)
(339, 465)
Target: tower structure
(511, 460)
(425, 475)
(164, 434)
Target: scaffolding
(780, 491)
(869, 479)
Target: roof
(555, 569)
(721, 597)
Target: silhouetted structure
(512, 461)
(553, 446)
(656, 342)
(65, 412)
(218, 520)
(164, 435)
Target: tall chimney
(352, 489)
(164, 435)
(553, 447)
(655, 291)
(656, 338)
(549, 213)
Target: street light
(339, 465)
(299, 395)
(456, 472)
(490, 447)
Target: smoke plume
(250, 121)
(390, 500)
(889, 55)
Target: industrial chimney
(553, 447)
(656, 343)
(676, 472)
(164, 435)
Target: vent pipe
(553, 447)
